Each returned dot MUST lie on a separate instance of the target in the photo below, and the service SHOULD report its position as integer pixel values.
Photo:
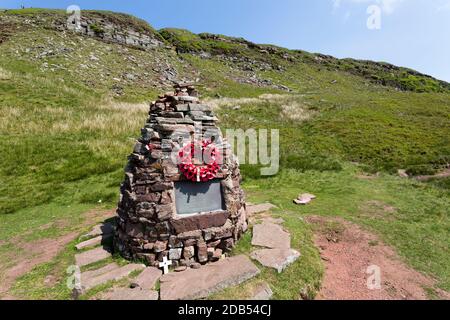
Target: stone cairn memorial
(187, 211)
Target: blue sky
(414, 33)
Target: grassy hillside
(71, 107)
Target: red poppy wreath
(210, 164)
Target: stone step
(89, 281)
(200, 283)
(106, 228)
(130, 294)
(88, 275)
(91, 256)
(277, 259)
(258, 208)
(270, 235)
(147, 279)
(93, 242)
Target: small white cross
(165, 265)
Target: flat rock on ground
(89, 281)
(91, 256)
(304, 198)
(147, 279)
(270, 235)
(130, 294)
(262, 292)
(93, 242)
(100, 229)
(258, 208)
(200, 283)
(88, 275)
(278, 259)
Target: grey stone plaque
(198, 197)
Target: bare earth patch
(441, 175)
(348, 251)
(33, 254)
(40, 251)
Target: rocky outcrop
(105, 28)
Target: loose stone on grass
(304, 199)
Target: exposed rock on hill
(252, 64)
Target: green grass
(304, 275)
(383, 130)
(417, 229)
(186, 42)
(441, 183)
(33, 285)
(34, 11)
(54, 125)
(37, 222)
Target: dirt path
(40, 251)
(352, 257)
(441, 175)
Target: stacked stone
(149, 228)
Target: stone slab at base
(91, 256)
(278, 259)
(88, 275)
(93, 242)
(200, 283)
(89, 281)
(98, 230)
(146, 280)
(131, 294)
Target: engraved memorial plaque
(198, 197)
